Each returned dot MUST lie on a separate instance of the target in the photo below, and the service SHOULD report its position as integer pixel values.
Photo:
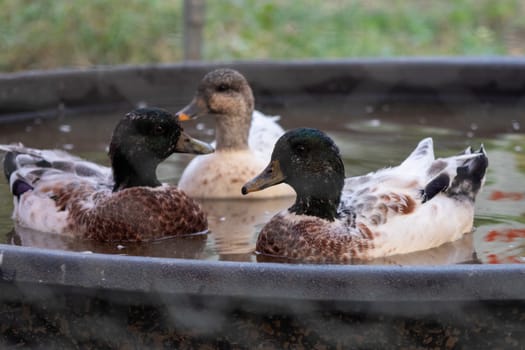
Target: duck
(244, 139)
(420, 204)
(56, 192)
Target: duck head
(309, 161)
(141, 140)
(225, 94)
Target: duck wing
(56, 179)
(377, 196)
(390, 191)
(264, 133)
(18, 157)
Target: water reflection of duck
(244, 137)
(234, 224)
(59, 193)
(420, 204)
(183, 247)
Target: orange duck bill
(195, 109)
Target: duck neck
(141, 172)
(319, 193)
(232, 131)
(324, 208)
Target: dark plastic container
(65, 299)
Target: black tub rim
(56, 90)
(490, 60)
(172, 276)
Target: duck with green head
(420, 204)
(56, 192)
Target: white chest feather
(222, 175)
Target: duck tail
(17, 156)
(470, 175)
(9, 164)
(18, 185)
(421, 156)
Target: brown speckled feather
(314, 240)
(393, 211)
(133, 214)
(59, 193)
(137, 214)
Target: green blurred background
(83, 33)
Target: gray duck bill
(270, 176)
(187, 144)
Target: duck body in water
(420, 204)
(56, 192)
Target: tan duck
(420, 204)
(56, 192)
(243, 142)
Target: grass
(56, 33)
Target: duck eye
(301, 149)
(222, 88)
(158, 130)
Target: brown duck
(56, 192)
(420, 204)
(244, 137)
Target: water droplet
(222, 219)
(65, 128)
(68, 146)
(515, 125)
(474, 126)
(375, 123)
(29, 128)
(470, 134)
(369, 109)
(200, 126)
(518, 148)
(120, 247)
(210, 132)
(142, 104)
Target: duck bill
(270, 176)
(191, 111)
(187, 144)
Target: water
(370, 138)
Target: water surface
(369, 139)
